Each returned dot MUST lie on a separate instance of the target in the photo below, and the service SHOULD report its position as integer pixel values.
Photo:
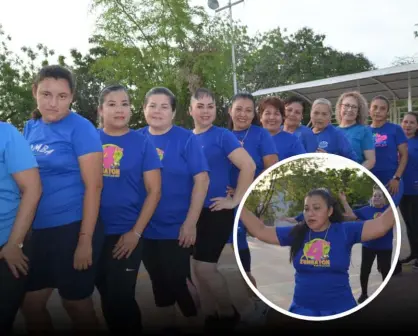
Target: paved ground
(398, 299)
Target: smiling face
(115, 110)
(242, 113)
(409, 125)
(293, 114)
(320, 116)
(53, 98)
(349, 109)
(158, 112)
(203, 111)
(316, 213)
(378, 199)
(271, 119)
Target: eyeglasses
(348, 106)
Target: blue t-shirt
(387, 138)
(57, 147)
(258, 143)
(182, 158)
(288, 145)
(299, 217)
(15, 157)
(307, 137)
(217, 144)
(382, 243)
(410, 175)
(360, 138)
(333, 141)
(125, 160)
(321, 277)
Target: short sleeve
(151, 159)
(367, 142)
(283, 235)
(267, 144)
(400, 136)
(195, 157)
(309, 140)
(299, 217)
(18, 155)
(85, 138)
(360, 213)
(353, 231)
(229, 142)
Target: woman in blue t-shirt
(294, 108)
(257, 141)
(168, 238)
(409, 202)
(20, 192)
(320, 249)
(271, 114)
(351, 112)
(380, 248)
(391, 147)
(131, 192)
(216, 220)
(329, 138)
(66, 242)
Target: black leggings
(116, 283)
(409, 210)
(384, 261)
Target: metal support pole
(409, 93)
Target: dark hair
(298, 233)
(248, 96)
(108, 89)
(162, 91)
(276, 102)
(53, 71)
(202, 92)
(295, 99)
(415, 115)
(381, 97)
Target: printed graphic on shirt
(160, 153)
(380, 140)
(323, 144)
(377, 214)
(112, 155)
(316, 253)
(41, 149)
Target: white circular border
(284, 311)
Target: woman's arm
(243, 161)
(257, 228)
(349, 213)
(378, 227)
(370, 158)
(270, 160)
(152, 181)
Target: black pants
(116, 283)
(384, 261)
(409, 210)
(12, 292)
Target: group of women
(81, 207)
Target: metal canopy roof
(391, 82)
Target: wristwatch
(397, 178)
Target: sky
(381, 29)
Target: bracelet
(137, 234)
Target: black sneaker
(408, 260)
(362, 298)
(228, 322)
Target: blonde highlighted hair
(362, 110)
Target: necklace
(326, 233)
(246, 133)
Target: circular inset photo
(322, 235)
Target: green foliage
(295, 179)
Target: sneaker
(258, 314)
(362, 298)
(408, 260)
